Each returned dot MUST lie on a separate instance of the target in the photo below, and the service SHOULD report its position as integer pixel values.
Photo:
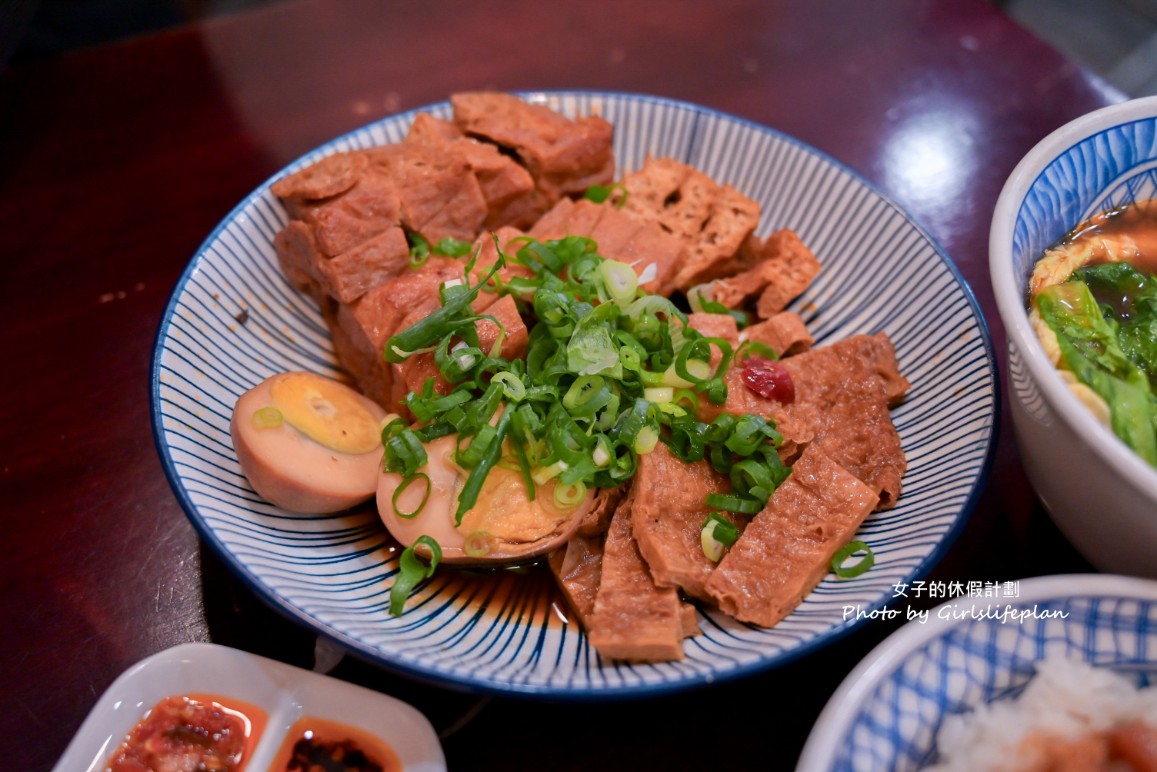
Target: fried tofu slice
(668, 510)
(782, 268)
(843, 395)
(787, 548)
(712, 220)
(784, 333)
(633, 618)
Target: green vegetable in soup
(1128, 300)
(1089, 345)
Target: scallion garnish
(412, 571)
(267, 417)
(477, 544)
(717, 535)
(609, 372)
(452, 247)
(419, 250)
(600, 193)
(857, 568)
(702, 304)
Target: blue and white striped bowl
(498, 633)
(1101, 495)
(971, 651)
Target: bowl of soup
(1073, 262)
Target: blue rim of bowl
(882, 662)
(437, 678)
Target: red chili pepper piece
(768, 379)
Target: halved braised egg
(308, 443)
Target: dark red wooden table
(117, 162)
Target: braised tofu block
(360, 329)
(324, 179)
(633, 618)
(653, 246)
(506, 185)
(784, 333)
(787, 548)
(436, 131)
(343, 237)
(784, 269)
(347, 276)
(578, 566)
(712, 220)
(353, 273)
(669, 508)
(552, 224)
(298, 257)
(564, 156)
(438, 195)
(366, 206)
(501, 325)
(652, 252)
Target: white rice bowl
(1067, 699)
(961, 687)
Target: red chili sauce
(193, 733)
(318, 745)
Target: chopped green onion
(600, 193)
(568, 495)
(477, 476)
(857, 568)
(405, 453)
(587, 395)
(412, 571)
(609, 372)
(646, 440)
(419, 250)
(733, 503)
(659, 394)
(620, 280)
(436, 325)
(512, 386)
(402, 487)
(267, 418)
(477, 544)
(749, 348)
(452, 247)
(700, 302)
(545, 474)
(717, 535)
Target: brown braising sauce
(191, 731)
(1137, 222)
(315, 744)
(527, 592)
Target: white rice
(1066, 698)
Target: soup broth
(1093, 303)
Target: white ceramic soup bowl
(1102, 496)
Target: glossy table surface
(117, 162)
